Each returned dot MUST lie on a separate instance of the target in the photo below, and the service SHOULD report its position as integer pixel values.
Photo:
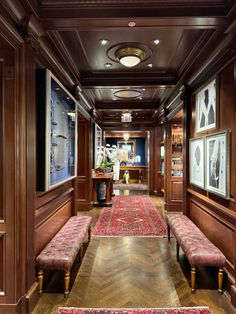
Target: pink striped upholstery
(61, 251)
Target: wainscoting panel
(218, 230)
(45, 232)
(2, 263)
(177, 191)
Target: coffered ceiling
(188, 32)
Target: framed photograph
(56, 132)
(98, 139)
(197, 162)
(217, 164)
(206, 107)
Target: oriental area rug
(130, 216)
(180, 310)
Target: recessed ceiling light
(104, 42)
(140, 98)
(131, 24)
(156, 41)
(143, 89)
(150, 65)
(108, 65)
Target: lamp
(130, 56)
(126, 136)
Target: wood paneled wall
(28, 219)
(214, 215)
(84, 167)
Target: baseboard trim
(32, 297)
(17, 308)
(233, 295)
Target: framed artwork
(56, 132)
(129, 147)
(98, 139)
(196, 162)
(207, 107)
(217, 164)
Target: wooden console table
(137, 174)
(108, 180)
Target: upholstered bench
(197, 248)
(61, 251)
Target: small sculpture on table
(126, 177)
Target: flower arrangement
(107, 156)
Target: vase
(101, 192)
(107, 170)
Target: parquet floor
(133, 272)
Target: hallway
(133, 272)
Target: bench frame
(194, 269)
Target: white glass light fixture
(126, 117)
(129, 56)
(126, 136)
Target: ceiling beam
(123, 106)
(118, 79)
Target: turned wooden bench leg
(177, 250)
(40, 281)
(193, 279)
(66, 283)
(81, 253)
(89, 234)
(168, 231)
(220, 280)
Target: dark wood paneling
(1, 137)
(2, 263)
(227, 114)
(177, 191)
(84, 167)
(52, 206)
(9, 175)
(45, 231)
(218, 230)
(213, 214)
(173, 185)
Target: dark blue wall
(140, 146)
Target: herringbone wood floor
(132, 272)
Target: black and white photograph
(196, 160)
(217, 163)
(206, 107)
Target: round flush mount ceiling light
(130, 56)
(127, 94)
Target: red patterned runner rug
(130, 216)
(177, 310)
